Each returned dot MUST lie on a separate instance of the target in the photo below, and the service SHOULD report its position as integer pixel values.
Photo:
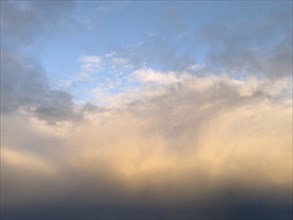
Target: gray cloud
(24, 85)
(252, 46)
(24, 22)
(24, 82)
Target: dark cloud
(56, 106)
(252, 45)
(24, 85)
(23, 22)
(24, 82)
(233, 203)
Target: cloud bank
(189, 144)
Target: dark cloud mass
(252, 46)
(189, 140)
(24, 85)
(22, 22)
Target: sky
(146, 110)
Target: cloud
(252, 45)
(26, 161)
(149, 76)
(22, 23)
(24, 86)
(199, 139)
(157, 51)
(90, 65)
(24, 82)
(94, 60)
(121, 62)
(181, 140)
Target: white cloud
(89, 66)
(91, 63)
(120, 62)
(147, 75)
